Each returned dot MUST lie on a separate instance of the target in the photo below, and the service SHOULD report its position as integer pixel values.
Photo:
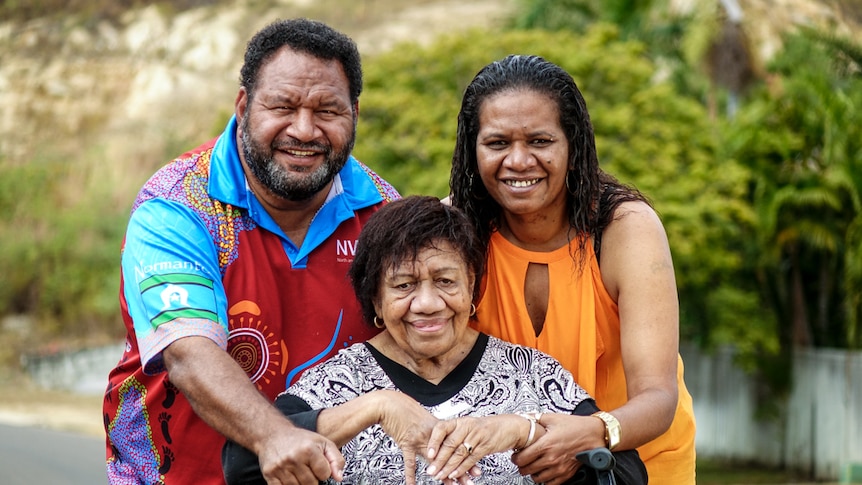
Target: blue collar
(353, 189)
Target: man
(234, 272)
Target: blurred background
(740, 119)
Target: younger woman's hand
(551, 459)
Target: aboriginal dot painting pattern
(130, 431)
(185, 181)
(386, 190)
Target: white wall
(820, 428)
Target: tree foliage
(791, 224)
(802, 137)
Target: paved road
(33, 456)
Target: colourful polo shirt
(203, 258)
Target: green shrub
(59, 250)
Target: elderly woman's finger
(455, 460)
(462, 462)
(467, 478)
(441, 430)
(409, 467)
(450, 450)
(336, 462)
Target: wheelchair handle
(599, 458)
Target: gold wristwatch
(613, 432)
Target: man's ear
(240, 105)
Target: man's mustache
(297, 145)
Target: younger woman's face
(522, 152)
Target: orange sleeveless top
(582, 331)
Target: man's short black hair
(306, 36)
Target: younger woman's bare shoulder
(633, 206)
(633, 214)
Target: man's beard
(279, 180)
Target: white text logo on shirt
(345, 249)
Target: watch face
(614, 436)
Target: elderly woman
(414, 273)
(578, 266)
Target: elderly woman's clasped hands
(456, 445)
(452, 447)
(414, 429)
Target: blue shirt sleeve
(172, 281)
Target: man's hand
(298, 457)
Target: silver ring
(468, 447)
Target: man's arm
(224, 397)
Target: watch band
(613, 432)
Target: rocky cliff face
(67, 86)
(118, 95)
(122, 97)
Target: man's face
(299, 128)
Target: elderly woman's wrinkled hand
(409, 424)
(456, 445)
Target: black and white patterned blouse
(496, 378)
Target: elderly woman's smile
(428, 325)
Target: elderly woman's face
(522, 152)
(425, 303)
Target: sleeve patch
(178, 295)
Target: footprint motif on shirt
(169, 459)
(163, 420)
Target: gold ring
(468, 447)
